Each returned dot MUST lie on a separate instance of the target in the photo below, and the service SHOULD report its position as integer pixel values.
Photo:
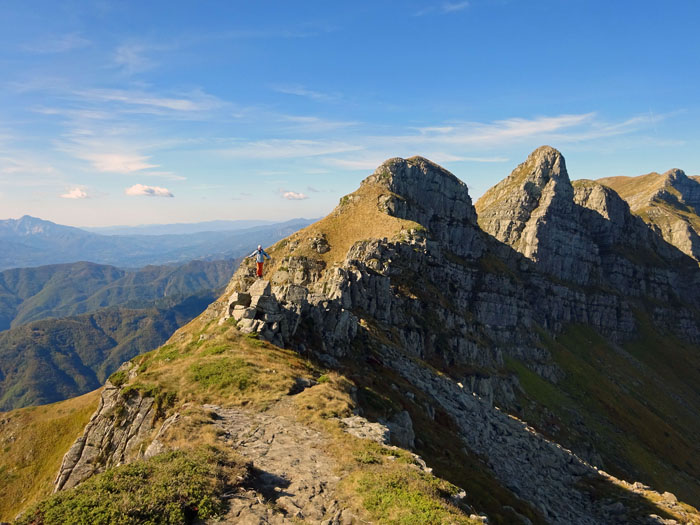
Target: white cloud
(301, 91)
(117, 162)
(293, 195)
(355, 164)
(24, 166)
(75, 193)
(148, 191)
(57, 44)
(132, 59)
(165, 174)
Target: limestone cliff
(668, 202)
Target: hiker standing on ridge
(259, 255)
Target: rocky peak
(675, 174)
(532, 210)
(422, 191)
(688, 188)
(548, 163)
(668, 202)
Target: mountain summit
(668, 202)
(518, 364)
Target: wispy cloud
(117, 162)
(22, 163)
(293, 195)
(494, 133)
(191, 102)
(164, 174)
(355, 164)
(451, 7)
(131, 58)
(148, 191)
(443, 8)
(75, 193)
(302, 91)
(283, 148)
(311, 124)
(57, 44)
(468, 141)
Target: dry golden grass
(358, 217)
(637, 191)
(33, 441)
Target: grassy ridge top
(359, 216)
(637, 191)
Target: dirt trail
(293, 479)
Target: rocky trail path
(293, 478)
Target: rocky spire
(532, 210)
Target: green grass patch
(254, 339)
(215, 350)
(119, 378)
(408, 496)
(373, 453)
(174, 487)
(223, 373)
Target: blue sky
(117, 112)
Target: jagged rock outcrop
(669, 202)
(115, 434)
(533, 211)
(428, 194)
(580, 232)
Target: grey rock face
(533, 211)
(669, 203)
(401, 429)
(113, 436)
(430, 195)
(582, 233)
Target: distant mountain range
(54, 359)
(178, 228)
(60, 290)
(35, 242)
(68, 326)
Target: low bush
(173, 487)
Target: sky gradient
(156, 112)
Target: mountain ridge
(36, 242)
(668, 202)
(536, 386)
(60, 290)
